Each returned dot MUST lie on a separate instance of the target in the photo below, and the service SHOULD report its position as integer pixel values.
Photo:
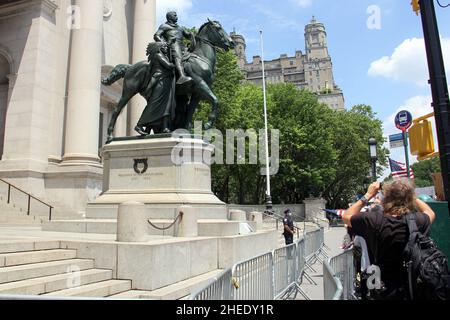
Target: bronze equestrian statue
(156, 78)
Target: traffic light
(421, 139)
(416, 6)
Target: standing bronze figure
(173, 34)
(199, 64)
(160, 110)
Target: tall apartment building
(312, 70)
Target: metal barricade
(321, 251)
(300, 269)
(274, 275)
(254, 279)
(332, 287)
(301, 261)
(312, 244)
(343, 269)
(218, 288)
(284, 264)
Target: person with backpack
(397, 236)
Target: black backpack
(426, 266)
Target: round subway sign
(403, 120)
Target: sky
(377, 46)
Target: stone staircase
(15, 212)
(42, 268)
(12, 215)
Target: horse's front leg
(214, 112)
(208, 95)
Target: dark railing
(280, 219)
(10, 186)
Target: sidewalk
(333, 239)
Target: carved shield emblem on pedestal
(140, 166)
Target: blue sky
(380, 62)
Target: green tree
(423, 171)
(322, 152)
(352, 130)
(306, 153)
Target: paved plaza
(333, 240)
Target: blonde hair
(399, 198)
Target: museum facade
(54, 111)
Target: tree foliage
(352, 131)
(423, 171)
(322, 152)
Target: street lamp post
(373, 157)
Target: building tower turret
(319, 67)
(239, 48)
(316, 40)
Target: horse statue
(199, 64)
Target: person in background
(288, 223)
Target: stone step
(206, 227)
(22, 258)
(102, 226)
(133, 295)
(36, 270)
(173, 292)
(42, 285)
(13, 246)
(99, 289)
(15, 220)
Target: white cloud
(408, 62)
(302, 3)
(180, 6)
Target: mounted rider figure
(174, 34)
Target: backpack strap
(412, 224)
(413, 230)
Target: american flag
(336, 212)
(398, 170)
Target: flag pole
(268, 193)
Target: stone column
(144, 29)
(83, 107)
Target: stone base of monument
(164, 173)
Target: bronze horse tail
(116, 74)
